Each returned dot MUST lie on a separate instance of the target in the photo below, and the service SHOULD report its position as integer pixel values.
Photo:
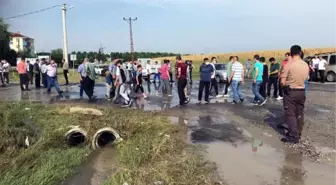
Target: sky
(182, 26)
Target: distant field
(243, 56)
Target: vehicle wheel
(218, 79)
(331, 77)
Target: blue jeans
(306, 87)
(52, 81)
(255, 90)
(237, 96)
(156, 76)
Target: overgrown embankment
(153, 150)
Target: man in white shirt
(237, 80)
(44, 73)
(321, 68)
(52, 77)
(315, 63)
(148, 70)
(6, 67)
(213, 83)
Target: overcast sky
(184, 26)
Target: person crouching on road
(293, 82)
(206, 71)
(52, 77)
(89, 80)
(138, 79)
(181, 79)
(237, 80)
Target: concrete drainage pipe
(75, 137)
(104, 137)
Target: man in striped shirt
(237, 80)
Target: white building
(21, 43)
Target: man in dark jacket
(263, 85)
(206, 71)
(30, 68)
(37, 73)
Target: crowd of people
(124, 83)
(47, 69)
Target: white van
(143, 62)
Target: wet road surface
(241, 139)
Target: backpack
(123, 75)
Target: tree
(11, 57)
(57, 55)
(4, 39)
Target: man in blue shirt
(206, 71)
(82, 74)
(257, 73)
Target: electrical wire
(34, 12)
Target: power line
(30, 13)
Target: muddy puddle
(100, 165)
(255, 157)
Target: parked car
(330, 71)
(220, 74)
(100, 69)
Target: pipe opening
(75, 138)
(105, 138)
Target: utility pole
(130, 20)
(65, 39)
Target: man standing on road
(37, 72)
(248, 68)
(237, 80)
(149, 71)
(228, 74)
(165, 78)
(213, 82)
(44, 73)
(6, 68)
(181, 79)
(316, 62)
(284, 63)
(82, 75)
(206, 71)
(265, 75)
(257, 73)
(273, 78)
(22, 70)
(89, 80)
(321, 68)
(30, 73)
(52, 77)
(293, 81)
(65, 71)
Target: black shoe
(290, 140)
(60, 93)
(22, 90)
(262, 103)
(28, 90)
(241, 100)
(234, 102)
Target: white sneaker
(170, 95)
(219, 96)
(279, 98)
(226, 95)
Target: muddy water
(100, 165)
(253, 157)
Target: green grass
(153, 149)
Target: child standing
(138, 79)
(109, 85)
